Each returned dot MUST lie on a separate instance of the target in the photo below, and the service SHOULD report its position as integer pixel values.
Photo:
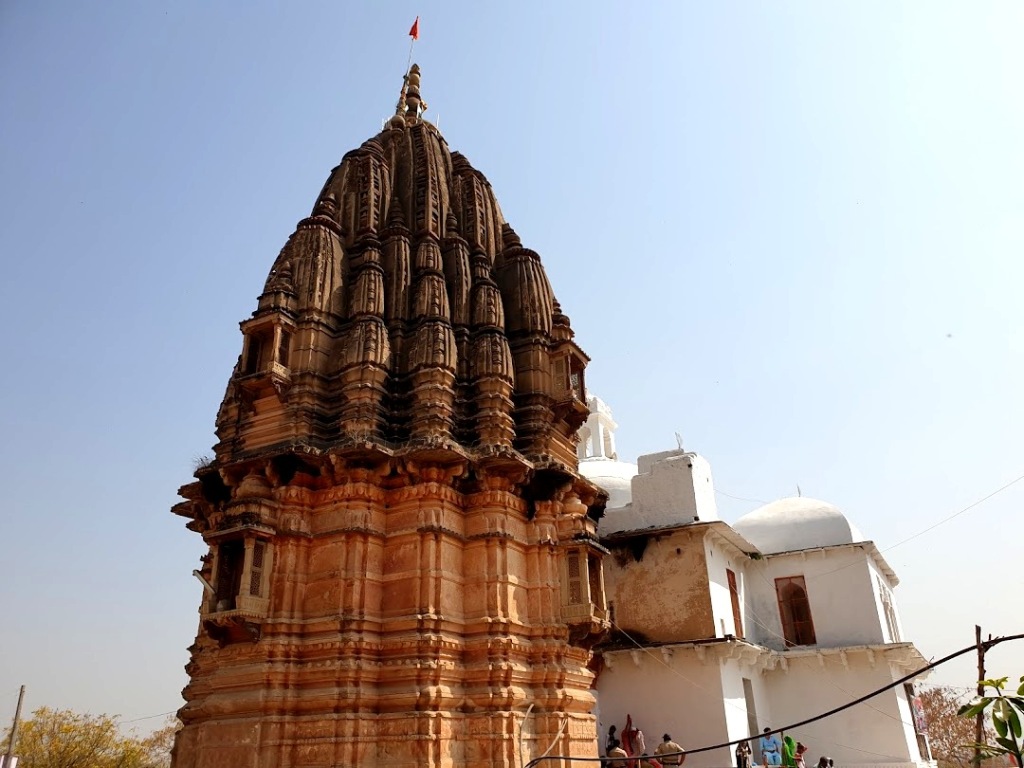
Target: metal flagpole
(414, 34)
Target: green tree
(1007, 712)
(61, 738)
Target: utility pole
(8, 762)
(979, 720)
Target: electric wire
(753, 614)
(957, 514)
(872, 694)
(931, 527)
(148, 717)
(985, 645)
(728, 702)
(740, 498)
(832, 682)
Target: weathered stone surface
(402, 555)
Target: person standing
(801, 748)
(771, 748)
(610, 739)
(633, 738)
(667, 747)
(743, 752)
(789, 752)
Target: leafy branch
(1007, 712)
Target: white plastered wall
(721, 557)
(674, 488)
(840, 588)
(674, 692)
(879, 731)
(879, 578)
(735, 701)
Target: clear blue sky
(791, 231)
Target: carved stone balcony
(573, 410)
(242, 622)
(274, 377)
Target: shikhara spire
(407, 312)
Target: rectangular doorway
(748, 697)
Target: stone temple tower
(403, 569)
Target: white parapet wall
(674, 488)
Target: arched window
(795, 611)
(608, 447)
(890, 612)
(586, 445)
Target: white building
(720, 631)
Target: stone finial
(395, 218)
(451, 224)
(557, 316)
(415, 105)
(327, 206)
(509, 238)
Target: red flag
(414, 32)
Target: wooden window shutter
(560, 372)
(256, 572)
(795, 611)
(734, 595)
(283, 347)
(594, 577)
(574, 572)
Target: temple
(403, 565)
(720, 630)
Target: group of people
(631, 751)
(787, 752)
(666, 754)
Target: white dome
(796, 523)
(613, 476)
